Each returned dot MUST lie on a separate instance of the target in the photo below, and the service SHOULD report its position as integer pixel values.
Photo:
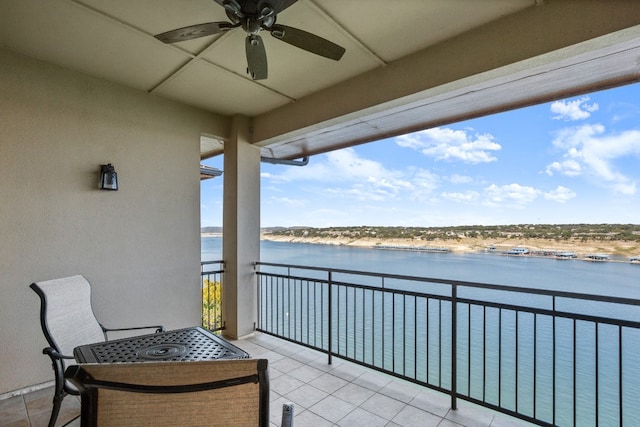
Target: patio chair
(203, 393)
(68, 321)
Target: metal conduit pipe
(274, 161)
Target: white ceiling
(400, 56)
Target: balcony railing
(550, 358)
(211, 273)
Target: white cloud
(577, 109)
(590, 151)
(336, 166)
(362, 193)
(364, 179)
(452, 145)
(566, 167)
(345, 174)
(460, 179)
(274, 178)
(511, 195)
(288, 202)
(423, 184)
(560, 194)
(462, 197)
(346, 163)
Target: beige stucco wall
(139, 246)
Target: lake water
(603, 278)
(599, 278)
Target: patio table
(189, 344)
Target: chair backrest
(205, 393)
(66, 315)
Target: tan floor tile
(328, 383)
(39, 405)
(361, 418)
(309, 419)
(383, 406)
(332, 408)
(414, 417)
(306, 396)
(13, 412)
(353, 393)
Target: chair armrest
(55, 355)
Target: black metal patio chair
(68, 321)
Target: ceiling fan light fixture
(251, 26)
(266, 11)
(232, 7)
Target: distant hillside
(622, 240)
(211, 230)
(618, 239)
(558, 232)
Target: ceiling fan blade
(194, 31)
(256, 57)
(307, 41)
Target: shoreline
(614, 248)
(474, 245)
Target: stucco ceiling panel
(213, 88)
(99, 47)
(423, 22)
(163, 15)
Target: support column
(241, 230)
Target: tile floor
(34, 409)
(341, 394)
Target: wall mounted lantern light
(108, 177)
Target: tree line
(579, 232)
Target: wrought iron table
(189, 344)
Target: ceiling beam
(537, 40)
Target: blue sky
(575, 160)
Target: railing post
(330, 305)
(454, 346)
(554, 366)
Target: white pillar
(241, 230)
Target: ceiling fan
(254, 16)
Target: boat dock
(436, 249)
(519, 251)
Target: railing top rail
(462, 283)
(359, 286)
(211, 262)
(204, 271)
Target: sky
(575, 160)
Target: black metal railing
(550, 358)
(211, 273)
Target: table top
(189, 344)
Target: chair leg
(57, 404)
(59, 393)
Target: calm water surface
(600, 278)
